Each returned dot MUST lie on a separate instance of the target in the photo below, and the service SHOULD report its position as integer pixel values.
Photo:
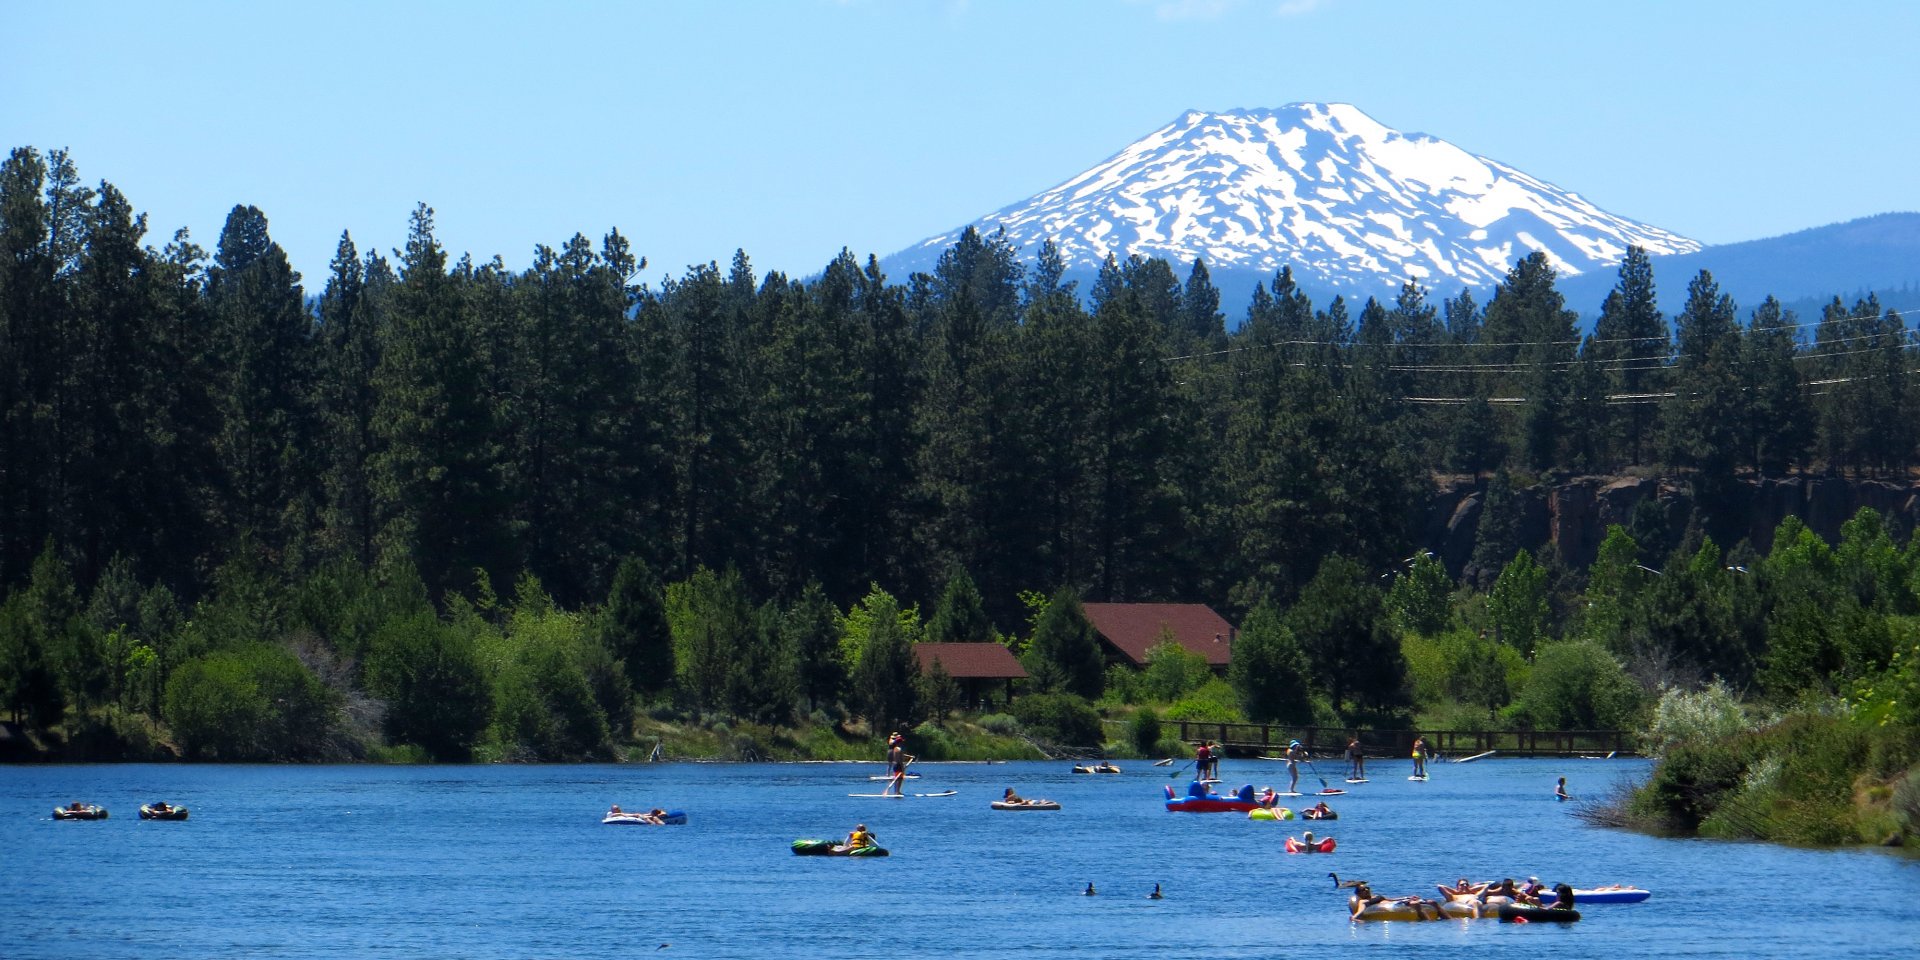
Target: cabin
(976, 666)
(1129, 630)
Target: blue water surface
(512, 862)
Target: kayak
(1270, 813)
(1026, 805)
(147, 812)
(1324, 845)
(91, 811)
(673, 818)
(1600, 895)
(1100, 768)
(831, 848)
(1201, 800)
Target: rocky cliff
(1574, 513)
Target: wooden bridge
(1271, 739)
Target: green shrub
(1216, 702)
(1578, 685)
(1060, 718)
(1003, 724)
(1144, 730)
(1680, 717)
(1172, 670)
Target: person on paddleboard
(1420, 756)
(1356, 760)
(1294, 752)
(1201, 755)
(897, 760)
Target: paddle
(1316, 774)
(1180, 771)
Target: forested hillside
(479, 503)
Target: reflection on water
(505, 862)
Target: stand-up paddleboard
(910, 776)
(1289, 794)
(1476, 756)
(903, 796)
(1358, 780)
(1418, 779)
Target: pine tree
(634, 627)
(1064, 655)
(268, 363)
(1340, 622)
(959, 618)
(1780, 420)
(437, 468)
(349, 347)
(1528, 326)
(884, 678)
(1631, 345)
(1269, 671)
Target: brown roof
(971, 661)
(1134, 627)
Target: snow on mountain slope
(1323, 188)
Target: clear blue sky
(793, 128)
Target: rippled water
(508, 861)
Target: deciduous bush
(1060, 718)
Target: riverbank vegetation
(433, 507)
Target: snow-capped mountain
(1348, 203)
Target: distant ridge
(1804, 269)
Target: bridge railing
(1332, 741)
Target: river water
(512, 862)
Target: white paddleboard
(949, 793)
(1352, 780)
(903, 796)
(1298, 795)
(910, 776)
(1418, 779)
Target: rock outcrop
(1573, 514)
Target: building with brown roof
(1131, 629)
(977, 667)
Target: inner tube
(1400, 911)
(1097, 768)
(89, 812)
(1323, 845)
(1026, 805)
(1313, 814)
(147, 812)
(1270, 813)
(832, 848)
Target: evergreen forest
(428, 507)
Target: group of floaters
(1532, 902)
(158, 810)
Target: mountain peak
(1322, 187)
